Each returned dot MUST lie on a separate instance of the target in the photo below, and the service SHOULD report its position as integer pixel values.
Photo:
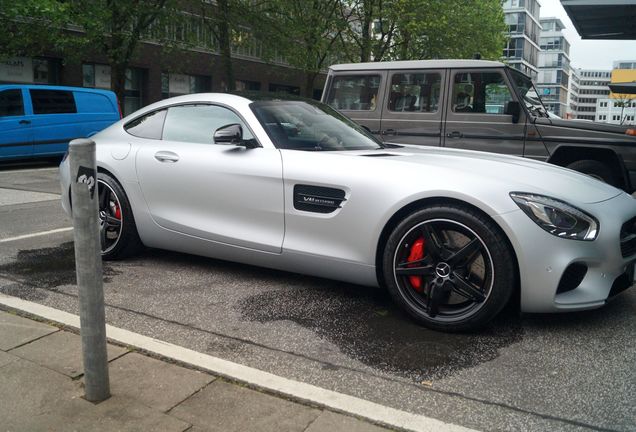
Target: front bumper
(557, 274)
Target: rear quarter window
(53, 102)
(149, 126)
(88, 102)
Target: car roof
(417, 64)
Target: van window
(11, 103)
(149, 126)
(53, 102)
(354, 92)
(415, 92)
(480, 92)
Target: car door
(359, 96)
(16, 138)
(475, 113)
(55, 121)
(225, 193)
(413, 112)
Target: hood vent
(379, 154)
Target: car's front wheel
(450, 267)
(117, 230)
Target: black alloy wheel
(110, 217)
(450, 267)
(117, 229)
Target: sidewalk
(41, 390)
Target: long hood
(513, 173)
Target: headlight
(557, 217)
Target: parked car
(296, 186)
(39, 121)
(476, 105)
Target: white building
(554, 66)
(573, 94)
(619, 108)
(522, 50)
(593, 86)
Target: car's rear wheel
(117, 231)
(449, 267)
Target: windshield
(311, 126)
(528, 93)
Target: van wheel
(596, 169)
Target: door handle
(24, 122)
(166, 156)
(389, 132)
(455, 134)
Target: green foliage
(427, 29)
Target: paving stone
(15, 330)
(333, 422)
(123, 414)
(29, 391)
(155, 383)
(61, 352)
(222, 406)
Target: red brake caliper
(117, 211)
(416, 253)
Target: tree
(116, 27)
(623, 101)
(424, 29)
(306, 33)
(31, 27)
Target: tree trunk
(226, 47)
(118, 80)
(310, 78)
(365, 51)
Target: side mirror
(229, 134)
(513, 108)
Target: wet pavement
(535, 372)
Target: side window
(415, 92)
(11, 103)
(53, 102)
(354, 92)
(480, 92)
(197, 123)
(149, 126)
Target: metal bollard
(88, 266)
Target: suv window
(11, 103)
(415, 92)
(53, 102)
(480, 92)
(354, 92)
(149, 126)
(197, 123)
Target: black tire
(465, 299)
(118, 241)
(596, 169)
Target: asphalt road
(532, 373)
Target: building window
(244, 85)
(30, 70)
(181, 84)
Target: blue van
(39, 121)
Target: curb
(371, 411)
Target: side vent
(317, 199)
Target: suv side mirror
(513, 108)
(229, 134)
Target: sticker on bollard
(87, 176)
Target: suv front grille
(628, 238)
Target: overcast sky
(588, 54)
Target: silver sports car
(294, 185)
